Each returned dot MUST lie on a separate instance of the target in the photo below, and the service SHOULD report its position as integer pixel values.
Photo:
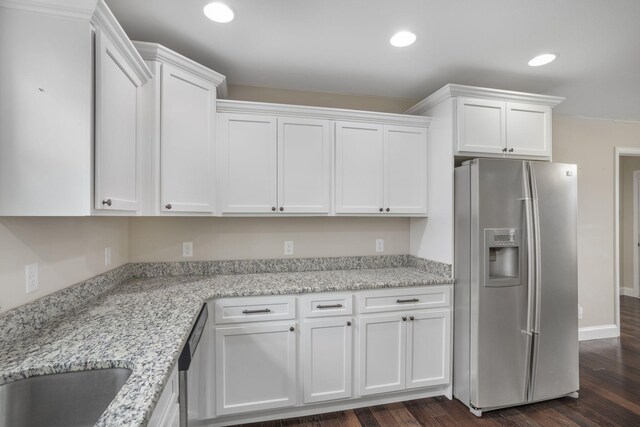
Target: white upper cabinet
(381, 169)
(529, 129)
(304, 165)
(492, 122)
(117, 145)
(284, 159)
(359, 168)
(481, 126)
(181, 109)
(247, 163)
(405, 170)
(69, 130)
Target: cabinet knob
(168, 206)
(348, 323)
(404, 318)
(388, 209)
(381, 209)
(292, 329)
(411, 318)
(504, 150)
(511, 150)
(107, 202)
(281, 208)
(273, 208)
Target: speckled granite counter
(142, 325)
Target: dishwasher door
(192, 373)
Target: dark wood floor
(609, 394)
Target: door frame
(620, 152)
(635, 291)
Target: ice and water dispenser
(502, 256)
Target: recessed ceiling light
(219, 12)
(543, 59)
(402, 39)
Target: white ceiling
(343, 46)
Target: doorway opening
(627, 225)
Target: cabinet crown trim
(104, 19)
(454, 91)
(262, 108)
(160, 53)
(78, 9)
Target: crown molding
(457, 91)
(104, 19)
(76, 9)
(160, 53)
(262, 108)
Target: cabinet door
(481, 126)
(359, 167)
(304, 165)
(405, 170)
(248, 163)
(528, 129)
(116, 130)
(186, 142)
(326, 360)
(382, 353)
(255, 368)
(428, 344)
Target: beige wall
(317, 99)
(627, 166)
(67, 250)
(160, 239)
(590, 144)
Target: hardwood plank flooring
(609, 394)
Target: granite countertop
(142, 325)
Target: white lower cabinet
(354, 349)
(326, 359)
(167, 410)
(255, 367)
(382, 353)
(428, 348)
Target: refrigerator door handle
(538, 256)
(531, 272)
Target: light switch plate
(379, 245)
(107, 255)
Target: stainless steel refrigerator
(516, 293)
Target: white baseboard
(598, 332)
(630, 292)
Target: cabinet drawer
(238, 310)
(404, 299)
(321, 305)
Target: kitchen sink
(66, 399)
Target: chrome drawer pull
(266, 310)
(402, 301)
(329, 306)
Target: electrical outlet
(187, 249)
(31, 273)
(379, 245)
(580, 311)
(288, 247)
(107, 255)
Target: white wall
(590, 144)
(160, 239)
(67, 250)
(627, 166)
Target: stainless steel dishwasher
(188, 365)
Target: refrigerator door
(499, 343)
(555, 352)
